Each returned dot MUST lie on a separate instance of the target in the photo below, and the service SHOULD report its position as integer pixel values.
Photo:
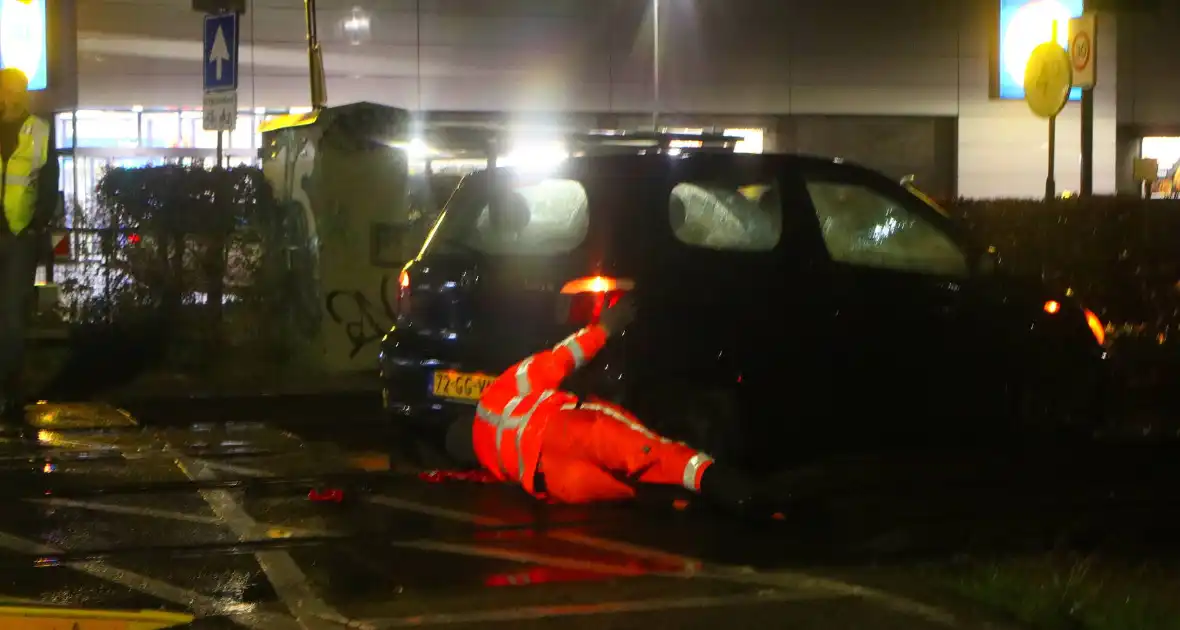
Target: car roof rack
(599, 142)
(459, 141)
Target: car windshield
(528, 216)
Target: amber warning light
(403, 293)
(597, 284)
(1096, 327)
(590, 294)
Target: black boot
(728, 488)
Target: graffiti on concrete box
(363, 322)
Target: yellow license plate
(461, 385)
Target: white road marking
(696, 568)
(64, 444)
(285, 576)
(288, 580)
(244, 471)
(199, 604)
(295, 590)
(796, 580)
(169, 515)
(523, 557)
(602, 608)
(129, 510)
(688, 564)
(431, 510)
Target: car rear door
(909, 336)
(725, 299)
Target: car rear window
(544, 216)
(726, 217)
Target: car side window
(727, 217)
(866, 227)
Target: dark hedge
(1121, 255)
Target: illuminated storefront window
(1024, 24)
(1166, 152)
(151, 130)
(242, 137)
(107, 129)
(161, 130)
(192, 133)
(752, 140)
(23, 41)
(64, 130)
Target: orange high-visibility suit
(588, 452)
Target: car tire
(713, 419)
(708, 420)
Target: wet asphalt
(300, 514)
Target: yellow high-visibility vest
(20, 173)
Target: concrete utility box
(341, 177)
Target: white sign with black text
(220, 111)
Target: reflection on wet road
(215, 518)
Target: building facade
(906, 86)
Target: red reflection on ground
(332, 495)
(506, 534)
(470, 476)
(544, 575)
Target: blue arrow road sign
(221, 52)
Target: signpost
(220, 57)
(1047, 80)
(1083, 55)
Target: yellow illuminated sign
(1024, 25)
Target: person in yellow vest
(28, 189)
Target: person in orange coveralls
(527, 430)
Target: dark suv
(786, 304)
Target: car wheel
(708, 420)
(714, 420)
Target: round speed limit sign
(1080, 51)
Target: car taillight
(1096, 327)
(403, 293)
(589, 295)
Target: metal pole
(220, 134)
(1087, 187)
(314, 59)
(655, 64)
(1087, 184)
(1050, 185)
